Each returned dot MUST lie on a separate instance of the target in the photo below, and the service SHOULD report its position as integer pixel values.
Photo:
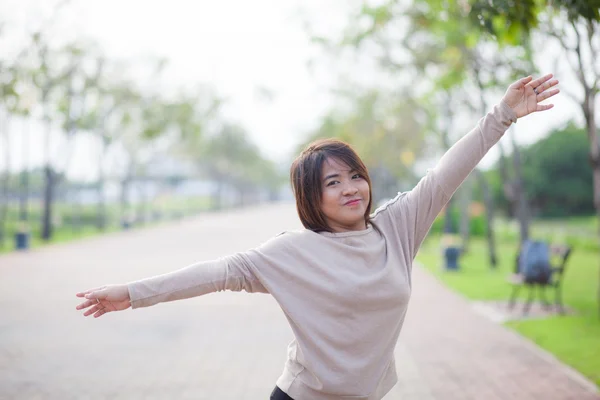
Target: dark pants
(279, 394)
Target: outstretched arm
(229, 273)
(432, 193)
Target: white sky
(238, 46)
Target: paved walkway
(228, 345)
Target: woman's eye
(331, 183)
(356, 176)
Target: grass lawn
(575, 340)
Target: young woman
(344, 282)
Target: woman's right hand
(104, 299)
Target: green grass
(575, 339)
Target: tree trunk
(76, 212)
(523, 213)
(143, 206)
(48, 201)
(465, 197)
(126, 218)
(218, 194)
(489, 217)
(24, 192)
(101, 210)
(376, 187)
(448, 223)
(48, 185)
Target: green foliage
(557, 175)
(477, 224)
(587, 9)
(231, 157)
(508, 20)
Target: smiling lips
(352, 202)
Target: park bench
(558, 260)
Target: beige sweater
(345, 295)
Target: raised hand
(104, 299)
(524, 95)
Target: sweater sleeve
(227, 273)
(426, 200)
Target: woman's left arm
(432, 193)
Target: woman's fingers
(534, 84)
(543, 96)
(544, 86)
(93, 310)
(97, 294)
(86, 304)
(97, 308)
(544, 107)
(546, 95)
(82, 294)
(106, 298)
(521, 82)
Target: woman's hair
(306, 177)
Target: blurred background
(119, 115)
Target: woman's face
(345, 197)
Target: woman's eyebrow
(336, 175)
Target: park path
(228, 345)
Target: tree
(54, 75)
(104, 99)
(575, 26)
(226, 157)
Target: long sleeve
(228, 273)
(432, 193)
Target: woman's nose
(350, 189)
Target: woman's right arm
(228, 273)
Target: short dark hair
(306, 179)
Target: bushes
(581, 232)
(477, 224)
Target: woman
(343, 282)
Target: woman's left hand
(525, 95)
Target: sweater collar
(348, 233)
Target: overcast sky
(239, 47)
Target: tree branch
(580, 71)
(552, 32)
(595, 65)
(566, 47)
(571, 95)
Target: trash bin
(451, 255)
(22, 240)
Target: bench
(559, 256)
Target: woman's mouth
(352, 202)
